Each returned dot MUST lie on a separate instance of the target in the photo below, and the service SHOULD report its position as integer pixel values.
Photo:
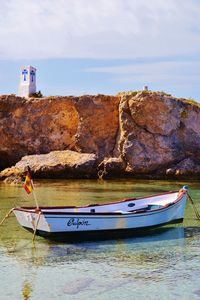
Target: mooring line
(34, 233)
(194, 206)
(6, 216)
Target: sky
(101, 46)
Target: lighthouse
(27, 85)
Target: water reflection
(46, 252)
(27, 290)
(162, 262)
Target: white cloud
(98, 28)
(164, 74)
(161, 67)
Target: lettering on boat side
(78, 222)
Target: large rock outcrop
(56, 164)
(36, 126)
(139, 134)
(157, 131)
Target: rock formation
(56, 164)
(138, 134)
(87, 124)
(157, 132)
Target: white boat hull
(82, 223)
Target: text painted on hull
(78, 222)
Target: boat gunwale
(121, 213)
(129, 214)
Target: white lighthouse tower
(27, 81)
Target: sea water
(161, 265)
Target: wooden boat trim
(58, 215)
(112, 213)
(103, 204)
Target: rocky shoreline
(139, 134)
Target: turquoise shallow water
(163, 265)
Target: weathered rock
(14, 180)
(113, 166)
(156, 132)
(98, 124)
(56, 164)
(139, 134)
(87, 124)
(184, 168)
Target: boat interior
(125, 206)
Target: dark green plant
(51, 97)
(184, 114)
(166, 94)
(193, 102)
(37, 95)
(128, 93)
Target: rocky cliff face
(141, 134)
(35, 126)
(157, 132)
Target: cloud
(161, 67)
(164, 74)
(38, 29)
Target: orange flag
(28, 185)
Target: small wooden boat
(110, 220)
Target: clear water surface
(163, 265)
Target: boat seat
(168, 204)
(139, 211)
(153, 206)
(121, 212)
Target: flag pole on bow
(29, 185)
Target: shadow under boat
(90, 236)
(154, 235)
(103, 235)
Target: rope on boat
(6, 216)
(34, 233)
(194, 206)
